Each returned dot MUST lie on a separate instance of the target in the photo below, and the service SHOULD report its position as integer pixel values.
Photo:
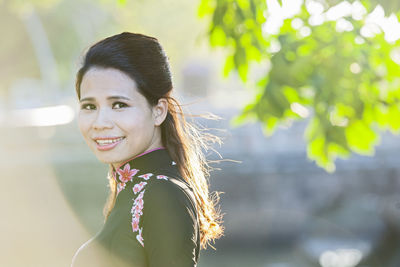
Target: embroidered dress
(153, 223)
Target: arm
(170, 228)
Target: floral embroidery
(138, 203)
(146, 176)
(136, 210)
(126, 174)
(137, 206)
(120, 187)
(138, 187)
(162, 177)
(139, 237)
(135, 224)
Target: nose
(102, 120)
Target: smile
(107, 144)
(108, 141)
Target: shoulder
(163, 190)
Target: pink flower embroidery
(126, 174)
(139, 199)
(135, 224)
(162, 177)
(139, 202)
(140, 238)
(140, 196)
(138, 187)
(146, 176)
(120, 187)
(136, 210)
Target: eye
(119, 105)
(87, 106)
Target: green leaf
(270, 125)
(291, 94)
(394, 118)
(205, 8)
(217, 37)
(317, 150)
(122, 2)
(350, 83)
(361, 137)
(229, 65)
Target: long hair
(143, 59)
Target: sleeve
(170, 228)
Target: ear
(160, 111)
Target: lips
(107, 140)
(107, 143)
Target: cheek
(83, 123)
(136, 123)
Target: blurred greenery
(71, 26)
(344, 82)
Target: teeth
(109, 141)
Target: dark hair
(139, 56)
(143, 59)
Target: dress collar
(137, 156)
(151, 160)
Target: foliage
(390, 6)
(346, 83)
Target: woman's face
(115, 120)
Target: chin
(106, 160)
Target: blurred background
(308, 93)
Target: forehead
(99, 81)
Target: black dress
(153, 223)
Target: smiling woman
(159, 211)
(115, 117)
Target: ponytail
(184, 142)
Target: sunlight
(314, 7)
(375, 22)
(339, 11)
(340, 258)
(277, 14)
(45, 116)
(300, 110)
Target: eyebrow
(108, 98)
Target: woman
(159, 211)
